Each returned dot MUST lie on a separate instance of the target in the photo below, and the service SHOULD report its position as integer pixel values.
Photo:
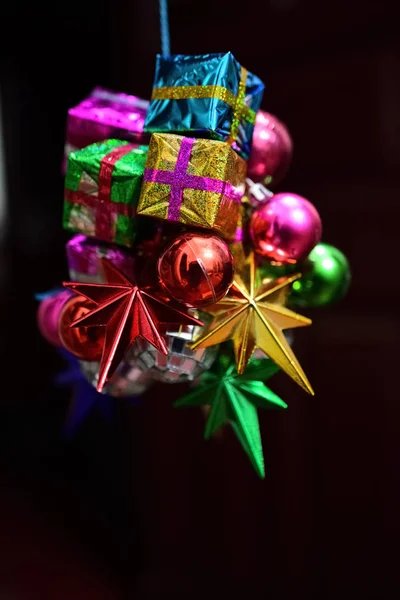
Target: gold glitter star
(253, 316)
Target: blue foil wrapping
(198, 116)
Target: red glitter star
(126, 312)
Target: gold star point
(253, 316)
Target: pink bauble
(48, 316)
(286, 228)
(271, 151)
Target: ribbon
(185, 92)
(179, 179)
(101, 201)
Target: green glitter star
(234, 399)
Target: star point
(234, 399)
(126, 312)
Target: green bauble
(326, 278)
(269, 270)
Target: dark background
(144, 508)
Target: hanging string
(164, 26)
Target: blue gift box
(208, 96)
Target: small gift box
(194, 182)
(84, 259)
(105, 115)
(102, 188)
(209, 96)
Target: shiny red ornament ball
(196, 269)
(271, 151)
(286, 228)
(86, 343)
(48, 315)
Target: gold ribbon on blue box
(207, 96)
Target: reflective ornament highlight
(181, 363)
(326, 278)
(125, 312)
(272, 149)
(286, 228)
(253, 315)
(86, 343)
(128, 380)
(197, 269)
(48, 315)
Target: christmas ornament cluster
(184, 266)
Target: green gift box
(102, 189)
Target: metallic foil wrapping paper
(105, 115)
(209, 96)
(102, 188)
(192, 181)
(84, 259)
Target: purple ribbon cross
(179, 179)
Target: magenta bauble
(48, 315)
(286, 228)
(271, 151)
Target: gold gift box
(193, 181)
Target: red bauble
(196, 269)
(271, 151)
(86, 343)
(286, 228)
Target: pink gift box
(84, 259)
(105, 115)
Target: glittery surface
(209, 96)
(84, 259)
(203, 190)
(102, 188)
(104, 115)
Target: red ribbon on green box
(103, 194)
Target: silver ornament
(181, 363)
(257, 193)
(128, 380)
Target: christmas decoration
(180, 363)
(208, 95)
(325, 280)
(234, 399)
(193, 181)
(253, 316)
(128, 380)
(257, 194)
(105, 115)
(177, 227)
(196, 269)
(84, 259)
(102, 188)
(286, 228)
(48, 315)
(126, 312)
(82, 342)
(271, 152)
